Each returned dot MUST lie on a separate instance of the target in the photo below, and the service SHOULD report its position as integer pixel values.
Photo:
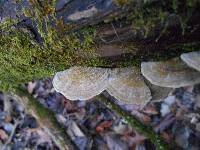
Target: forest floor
(91, 125)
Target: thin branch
(47, 119)
(136, 124)
(107, 42)
(11, 135)
(115, 32)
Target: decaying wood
(114, 30)
(46, 123)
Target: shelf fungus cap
(172, 73)
(127, 85)
(81, 83)
(192, 59)
(158, 93)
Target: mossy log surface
(44, 37)
(39, 38)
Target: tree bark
(114, 26)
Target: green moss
(23, 59)
(147, 15)
(123, 2)
(17, 57)
(45, 115)
(186, 47)
(147, 131)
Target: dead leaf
(3, 135)
(165, 123)
(133, 138)
(8, 118)
(31, 86)
(142, 117)
(167, 136)
(103, 126)
(150, 110)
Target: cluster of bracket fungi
(129, 85)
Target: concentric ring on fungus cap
(192, 59)
(81, 83)
(172, 73)
(127, 85)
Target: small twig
(107, 42)
(64, 6)
(50, 122)
(115, 32)
(165, 123)
(11, 135)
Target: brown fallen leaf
(141, 116)
(3, 135)
(180, 114)
(150, 110)
(8, 118)
(114, 142)
(69, 106)
(167, 137)
(165, 123)
(103, 126)
(133, 138)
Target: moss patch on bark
(23, 59)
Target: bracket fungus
(192, 59)
(158, 93)
(127, 85)
(172, 73)
(81, 83)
